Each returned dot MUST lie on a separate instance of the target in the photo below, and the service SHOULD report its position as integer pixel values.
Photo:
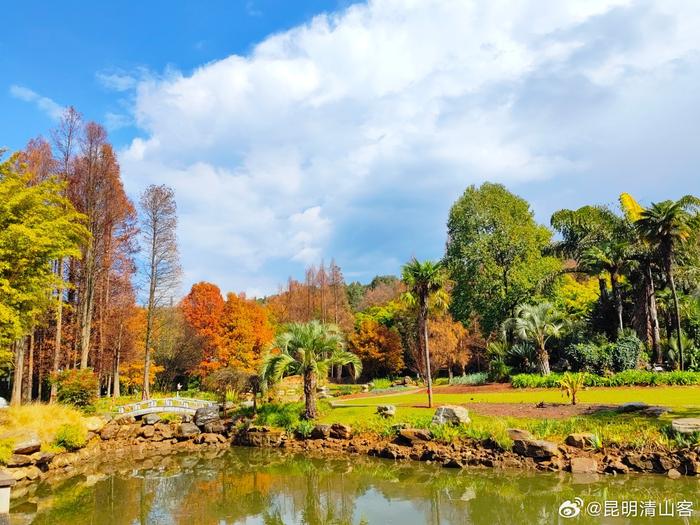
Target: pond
(254, 486)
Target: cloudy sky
(299, 131)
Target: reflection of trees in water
(277, 488)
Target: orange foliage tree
(449, 348)
(246, 331)
(203, 310)
(378, 347)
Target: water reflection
(268, 487)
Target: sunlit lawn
(670, 396)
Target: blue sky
(295, 131)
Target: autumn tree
(378, 347)
(449, 344)
(162, 267)
(203, 309)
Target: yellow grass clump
(42, 419)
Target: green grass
(671, 396)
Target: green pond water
(255, 486)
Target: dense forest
(599, 289)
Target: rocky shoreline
(150, 435)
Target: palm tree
(425, 281)
(666, 225)
(308, 349)
(537, 324)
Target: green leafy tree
(536, 324)
(667, 226)
(308, 349)
(495, 255)
(425, 281)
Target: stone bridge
(177, 405)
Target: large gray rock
(187, 430)
(215, 427)
(340, 431)
(518, 433)
(686, 425)
(413, 436)
(151, 419)
(386, 410)
(535, 448)
(635, 406)
(206, 415)
(452, 414)
(321, 432)
(94, 424)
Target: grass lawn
(670, 396)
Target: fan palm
(666, 226)
(308, 349)
(425, 281)
(536, 324)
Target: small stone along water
(252, 486)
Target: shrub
(499, 371)
(478, 378)
(71, 437)
(304, 428)
(589, 357)
(76, 387)
(6, 446)
(570, 384)
(381, 383)
(625, 352)
(625, 378)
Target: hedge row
(626, 378)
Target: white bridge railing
(181, 405)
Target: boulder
(365, 388)
(164, 430)
(673, 474)
(187, 430)
(261, 437)
(19, 460)
(655, 411)
(340, 431)
(452, 414)
(386, 410)
(580, 440)
(109, 431)
(517, 433)
(94, 424)
(634, 406)
(150, 419)
(215, 427)
(583, 465)
(148, 431)
(686, 425)
(32, 473)
(42, 458)
(535, 448)
(321, 432)
(26, 444)
(412, 436)
(186, 418)
(638, 462)
(206, 415)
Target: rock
(94, 424)
(686, 425)
(215, 427)
(150, 419)
(365, 388)
(19, 460)
(27, 444)
(386, 410)
(634, 406)
(42, 458)
(32, 473)
(638, 462)
(412, 436)
(452, 414)
(148, 431)
(580, 440)
(261, 437)
(517, 433)
(18, 474)
(109, 431)
(321, 432)
(187, 430)
(657, 411)
(583, 465)
(206, 415)
(534, 448)
(673, 474)
(186, 418)
(164, 430)
(340, 431)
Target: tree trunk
(115, 388)
(59, 334)
(677, 319)
(310, 394)
(423, 324)
(618, 299)
(543, 361)
(16, 398)
(29, 380)
(149, 322)
(87, 305)
(654, 316)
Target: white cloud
(320, 130)
(53, 109)
(118, 80)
